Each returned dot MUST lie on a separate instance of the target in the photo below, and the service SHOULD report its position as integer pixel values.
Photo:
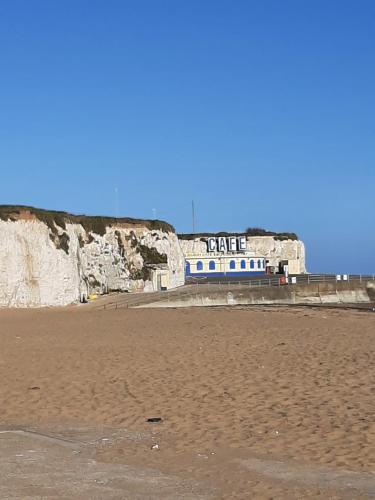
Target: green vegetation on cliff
(152, 256)
(258, 231)
(251, 231)
(92, 224)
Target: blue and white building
(225, 256)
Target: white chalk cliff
(57, 262)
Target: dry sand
(255, 403)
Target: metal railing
(193, 289)
(278, 280)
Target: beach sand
(255, 402)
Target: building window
(259, 264)
(212, 265)
(199, 265)
(187, 268)
(252, 264)
(243, 264)
(232, 264)
(264, 262)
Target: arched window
(187, 267)
(252, 264)
(232, 264)
(243, 264)
(212, 265)
(259, 264)
(199, 265)
(264, 262)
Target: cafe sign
(226, 244)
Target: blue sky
(262, 112)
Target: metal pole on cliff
(193, 215)
(117, 202)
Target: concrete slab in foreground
(35, 466)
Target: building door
(164, 282)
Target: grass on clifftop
(91, 224)
(251, 231)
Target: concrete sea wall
(232, 295)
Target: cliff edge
(50, 258)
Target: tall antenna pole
(117, 202)
(193, 215)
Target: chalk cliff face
(44, 263)
(271, 248)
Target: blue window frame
(212, 265)
(243, 264)
(199, 265)
(252, 264)
(259, 264)
(187, 267)
(232, 264)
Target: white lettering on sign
(242, 243)
(222, 244)
(230, 244)
(211, 244)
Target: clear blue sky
(260, 111)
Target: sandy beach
(254, 403)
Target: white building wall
(223, 263)
(272, 249)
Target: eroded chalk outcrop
(54, 258)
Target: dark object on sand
(35, 388)
(154, 420)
